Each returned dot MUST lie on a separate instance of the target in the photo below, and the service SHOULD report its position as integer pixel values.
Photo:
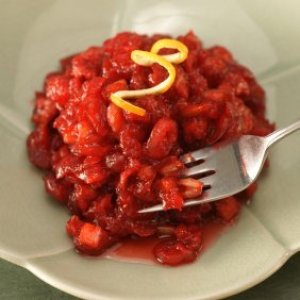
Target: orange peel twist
(145, 58)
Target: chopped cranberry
(81, 197)
(74, 226)
(228, 208)
(191, 41)
(104, 163)
(208, 109)
(171, 166)
(58, 189)
(214, 69)
(170, 193)
(114, 87)
(195, 129)
(92, 239)
(38, 146)
(87, 64)
(143, 187)
(181, 83)
(144, 229)
(116, 162)
(173, 253)
(96, 113)
(101, 206)
(190, 236)
(115, 118)
(222, 53)
(162, 139)
(45, 110)
(158, 75)
(57, 89)
(130, 141)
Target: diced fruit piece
(82, 196)
(170, 194)
(190, 187)
(228, 208)
(115, 118)
(45, 110)
(173, 253)
(162, 139)
(92, 239)
(57, 89)
(74, 226)
(38, 147)
(57, 188)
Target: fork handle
(279, 134)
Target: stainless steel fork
(228, 169)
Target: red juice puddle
(211, 232)
(139, 250)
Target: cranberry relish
(104, 164)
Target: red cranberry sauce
(104, 164)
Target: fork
(228, 169)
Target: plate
(35, 36)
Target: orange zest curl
(145, 58)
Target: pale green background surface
(17, 283)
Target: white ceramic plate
(263, 35)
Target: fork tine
(197, 170)
(208, 180)
(197, 155)
(235, 165)
(191, 202)
(200, 168)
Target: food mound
(106, 158)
